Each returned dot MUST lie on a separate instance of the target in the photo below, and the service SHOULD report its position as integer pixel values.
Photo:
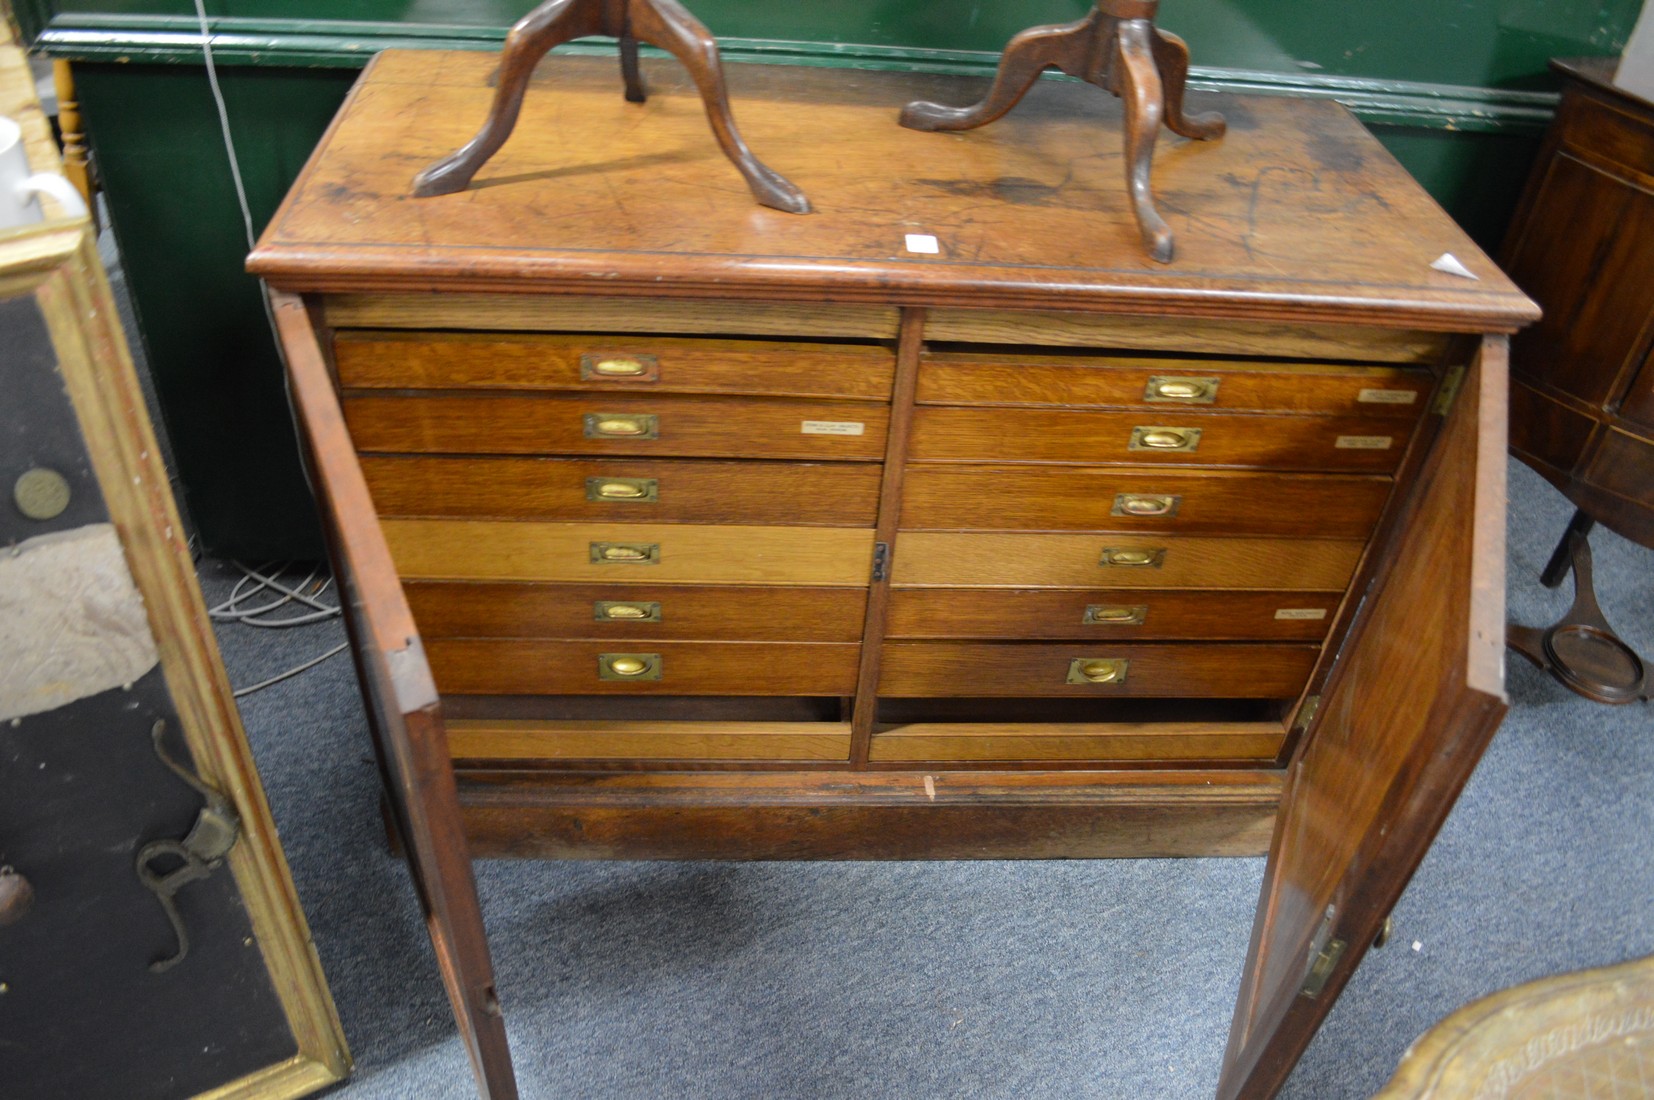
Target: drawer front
(526, 740)
(1250, 742)
(1624, 465)
(619, 489)
(622, 424)
(517, 666)
(1132, 561)
(1104, 670)
(1171, 436)
(1165, 384)
(1064, 498)
(634, 612)
(613, 363)
(1598, 131)
(615, 553)
(1124, 614)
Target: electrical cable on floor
(259, 599)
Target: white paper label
(1388, 397)
(1364, 442)
(1306, 613)
(923, 243)
(833, 427)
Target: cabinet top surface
(1298, 213)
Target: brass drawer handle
(1151, 438)
(620, 368)
(1133, 558)
(1181, 389)
(625, 611)
(625, 553)
(622, 426)
(626, 490)
(1098, 670)
(1146, 504)
(1099, 614)
(629, 666)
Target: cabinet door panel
(1416, 695)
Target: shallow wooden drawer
(471, 739)
(629, 424)
(517, 666)
(619, 363)
(1112, 614)
(1122, 561)
(1105, 381)
(1079, 498)
(1157, 742)
(617, 553)
(1172, 436)
(1169, 670)
(840, 494)
(477, 609)
(1598, 132)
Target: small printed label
(923, 243)
(1364, 442)
(833, 427)
(1301, 613)
(1388, 397)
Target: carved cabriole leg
(1140, 88)
(667, 24)
(629, 72)
(1068, 47)
(1171, 56)
(538, 32)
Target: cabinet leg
(1562, 557)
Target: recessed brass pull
(630, 490)
(1099, 614)
(1146, 504)
(620, 368)
(1181, 389)
(625, 553)
(1098, 670)
(1152, 438)
(1133, 558)
(629, 666)
(618, 611)
(622, 426)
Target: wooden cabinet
(1582, 243)
(713, 531)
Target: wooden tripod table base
(1118, 48)
(1581, 649)
(663, 23)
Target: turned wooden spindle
(663, 23)
(1116, 47)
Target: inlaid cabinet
(940, 523)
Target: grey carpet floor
(997, 979)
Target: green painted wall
(1457, 89)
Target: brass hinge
(1321, 968)
(881, 561)
(1448, 391)
(1306, 713)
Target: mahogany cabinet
(1582, 243)
(940, 523)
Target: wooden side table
(1582, 380)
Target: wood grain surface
(1088, 498)
(1296, 200)
(473, 739)
(689, 553)
(1321, 443)
(480, 609)
(1042, 613)
(839, 494)
(1164, 670)
(1072, 561)
(519, 666)
(917, 742)
(710, 427)
(516, 361)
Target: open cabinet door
(403, 711)
(1415, 698)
